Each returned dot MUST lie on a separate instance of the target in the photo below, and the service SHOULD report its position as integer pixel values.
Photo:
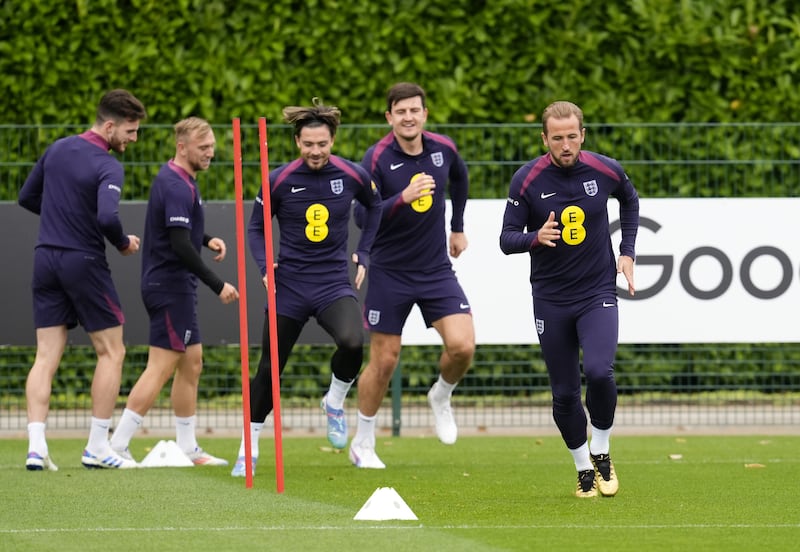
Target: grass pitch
(481, 494)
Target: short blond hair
(190, 126)
(561, 110)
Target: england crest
(590, 187)
(539, 326)
(373, 317)
(437, 158)
(337, 186)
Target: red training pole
(241, 267)
(271, 314)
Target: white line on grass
(56, 530)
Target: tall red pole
(271, 314)
(243, 331)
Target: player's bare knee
(461, 352)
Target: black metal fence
(668, 386)
(663, 160)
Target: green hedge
(482, 62)
(644, 62)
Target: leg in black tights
(261, 384)
(342, 320)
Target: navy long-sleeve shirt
(75, 188)
(175, 203)
(313, 210)
(582, 263)
(412, 237)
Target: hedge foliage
(632, 61)
(500, 61)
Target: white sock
(581, 457)
(600, 441)
(443, 389)
(365, 430)
(36, 439)
(255, 431)
(98, 436)
(129, 422)
(337, 393)
(185, 434)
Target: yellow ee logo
(573, 232)
(423, 203)
(317, 216)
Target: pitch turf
(483, 493)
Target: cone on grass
(166, 454)
(385, 504)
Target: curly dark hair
(317, 115)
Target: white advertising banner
(707, 271)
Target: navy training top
(174, 202)
(412, 237)
(582, 263)
(75, 188)
(313, 211)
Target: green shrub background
(500, 61)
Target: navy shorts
(300, 299)
(74, 287)
(173, 319)
(392, 294)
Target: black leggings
(342, 321)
